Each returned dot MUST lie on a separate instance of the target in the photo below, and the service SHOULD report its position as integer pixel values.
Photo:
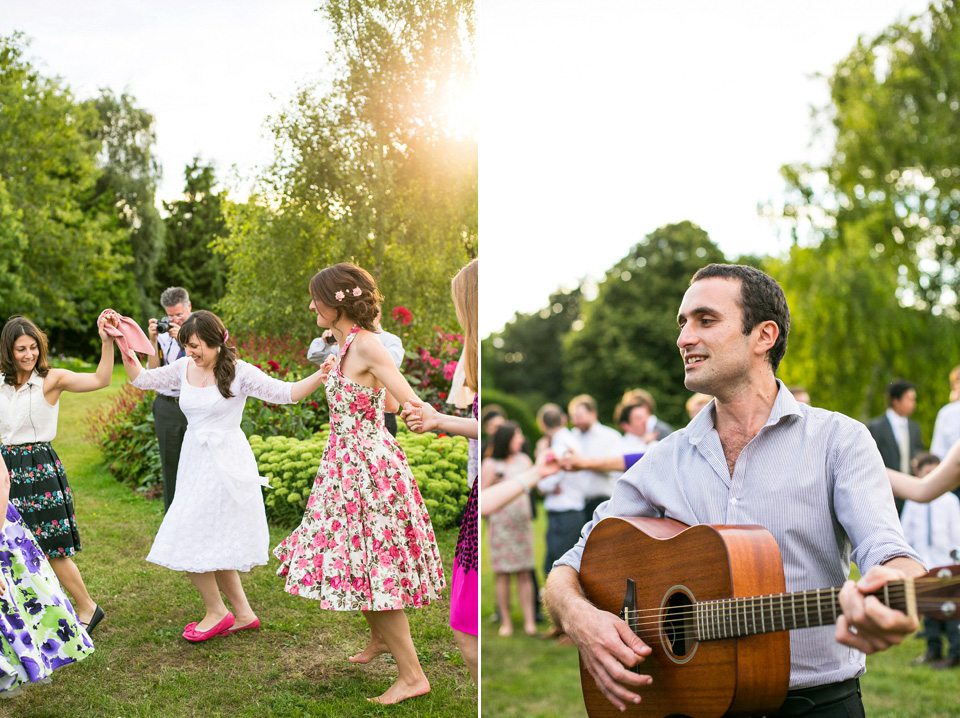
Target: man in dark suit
(897, 435)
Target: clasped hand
(419, 416)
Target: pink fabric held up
(129, 335)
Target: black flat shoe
(94, 620)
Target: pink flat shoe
(191, 633)
(254, 625)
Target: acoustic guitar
(710, 603)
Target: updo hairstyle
(16, 327)
(210, 330)
(336, 287)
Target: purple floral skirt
(39, 631)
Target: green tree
(626, 337)
(872, 278)
(375, 164)
(193, 225)
(525, 359)
(269, 288)
(75, 251)
(892, 181)
(127, 184)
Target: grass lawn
(532, 678)
(295, 666)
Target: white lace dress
(217, 520)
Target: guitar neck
(736, 617)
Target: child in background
(39, 631)
(933, 530)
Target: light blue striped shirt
(812, 477)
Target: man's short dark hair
(627, 410)
(897, 388)
(761, 300)
(551, 416)
(924, 458)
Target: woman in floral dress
(39, 631)
(366, 542)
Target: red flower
(273, 365)
(402, 315)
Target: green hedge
(438, 463)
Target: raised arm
(942, 479)
(61, 380)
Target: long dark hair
(210, 330)
(16, 327)
(502, 438)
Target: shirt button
(733, 501)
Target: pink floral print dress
(366, 542)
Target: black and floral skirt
(40, 494)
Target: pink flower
(449, 370)
(402, 315)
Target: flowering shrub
(438, 463)
(125, 432)
(285, 359)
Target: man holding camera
(168, 419)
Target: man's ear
(767, 333)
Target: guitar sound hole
(678, 625)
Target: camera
(163, 325)
(330, 339)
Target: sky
(210, 71)
(599, 122)
(603, 121)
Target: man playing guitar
(813, 478)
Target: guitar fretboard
(735, 617)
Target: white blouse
(25, 415)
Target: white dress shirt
(933, 529)
(571, 483)
(599, 441)
(319, 350)
(946, 432)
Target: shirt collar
(34, 380)
(704, 422)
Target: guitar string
(635, 623)
(812, 596)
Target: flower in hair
(357, 291)
(339, 295)
(226, 335)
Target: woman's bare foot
(375, 648)
(530, 630)
(506, 630)
(400, 691)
